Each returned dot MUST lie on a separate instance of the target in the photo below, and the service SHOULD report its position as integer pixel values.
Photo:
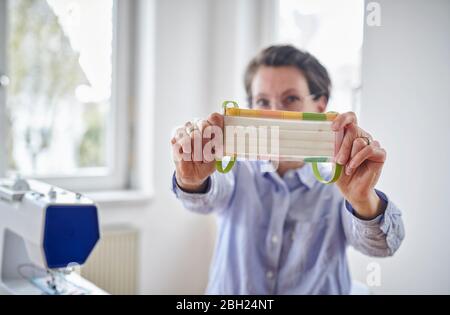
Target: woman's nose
(276, 105)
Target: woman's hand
(194, 154)
(362, 159)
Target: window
(333, 32)
(61, 113)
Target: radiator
(113, 265)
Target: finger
(343, 120)
(181, 148)
(346, 147)
(371, 153)
(375, 143)
(368, 139)
(187, 125)
(179, 132)
(186, 139)
(180, 143)
(202, 126)
(215, 146)
(216, 119)
(196, 145)
(177, 150)
(358, 145)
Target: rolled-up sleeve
(216, 198)
(378, 237)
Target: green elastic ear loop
(337, 170)
(228, 168)
(224, 104)
(219, 166)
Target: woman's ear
(321, 104)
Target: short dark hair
(319, 82)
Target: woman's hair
(316, 75)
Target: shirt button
(274, 239)
(269, 275)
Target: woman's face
(284, 88)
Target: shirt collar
(304, 173)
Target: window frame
(3, 32)
(115, 177)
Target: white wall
(406, 93)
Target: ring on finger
(367, 139)
(191, 127)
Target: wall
(405, 105)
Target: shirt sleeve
(217, 197)
(379, 237)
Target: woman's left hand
(362, 160)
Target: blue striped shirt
(286, 235)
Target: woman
(283, 232)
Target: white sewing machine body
(45, 230)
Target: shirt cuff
(198, 202)
(389, 223)
(375, 221)
(176, 188)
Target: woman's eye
(262, 103)
(292, 99)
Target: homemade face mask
(280, 136)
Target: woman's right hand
(194, 152)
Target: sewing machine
(45, 233)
